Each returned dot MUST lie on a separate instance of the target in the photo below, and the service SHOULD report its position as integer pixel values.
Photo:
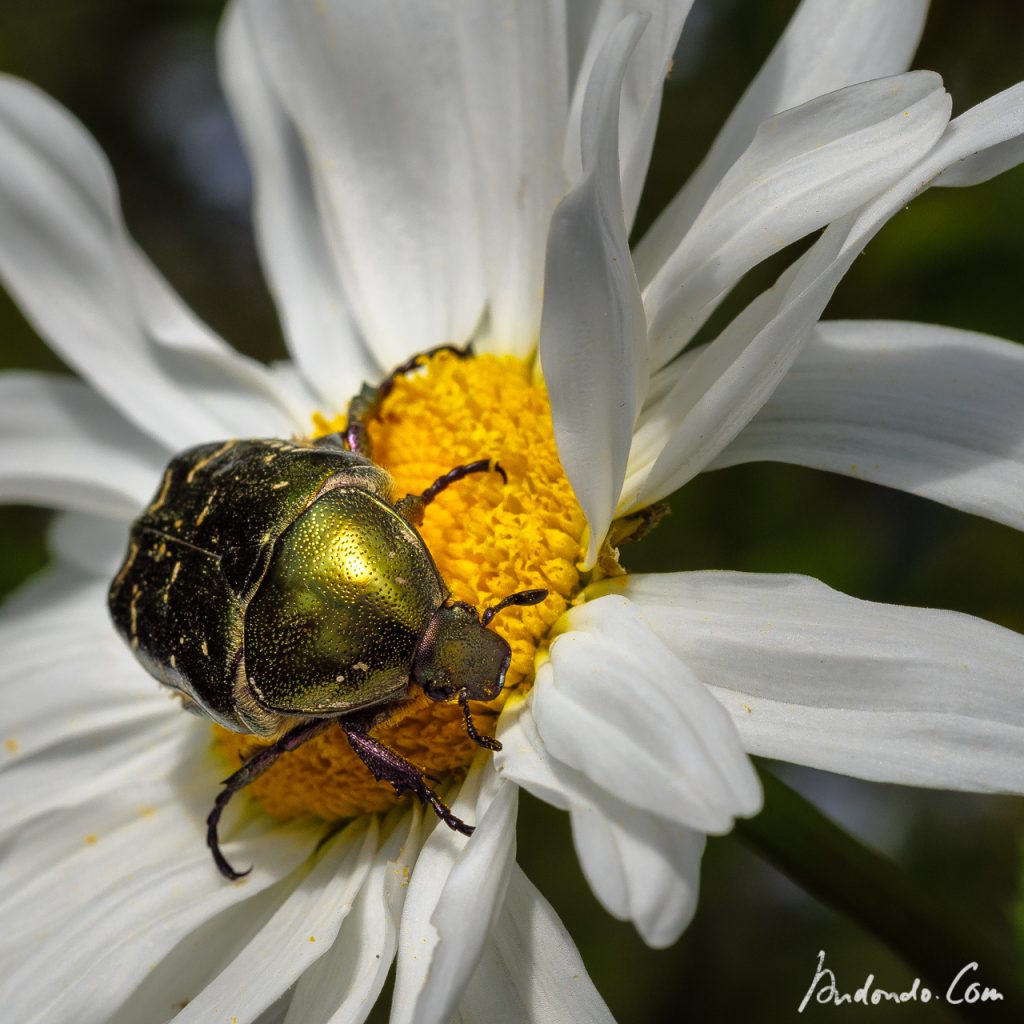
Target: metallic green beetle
(278, 589)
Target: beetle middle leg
(250, 772)
(412, 505)
(387, 766)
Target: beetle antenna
(522, 597)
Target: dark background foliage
(142, 78)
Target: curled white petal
(590, 25)
(614, 703)
(593, 333)
(642, 868)
(999, 124)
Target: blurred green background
(142, 77)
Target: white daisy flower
(426, 179)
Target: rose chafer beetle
(278, 589)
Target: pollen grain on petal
(488, 539)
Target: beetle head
(458, 652)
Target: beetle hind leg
(367, 402)
(387, 766)
(250, 772)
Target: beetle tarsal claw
(223, 865)
(456, 824)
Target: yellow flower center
(488, 540)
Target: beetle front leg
(365, 405)
(387, 766)
(250, 772)
(481, 741)
(412, 505)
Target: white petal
(168, 986)
(67, 259)
(827, 45)
(289, 381)
(91, 755)
(593, 334)
(590, 25)
(614, 703)
(910, 695)
(530, 969)
(728, 381)
(516, 105)
(61, 445)
(455, 894)
(804, 168)
(299, 933)
(379, 103)
(1004, 114)
(93, 544)
(125, 879)
(293, 249)
(96, 852)
(67, 833)
(930, 410)
(65, 672)
(641, 867)
(343, 985)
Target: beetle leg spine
(385, 765)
